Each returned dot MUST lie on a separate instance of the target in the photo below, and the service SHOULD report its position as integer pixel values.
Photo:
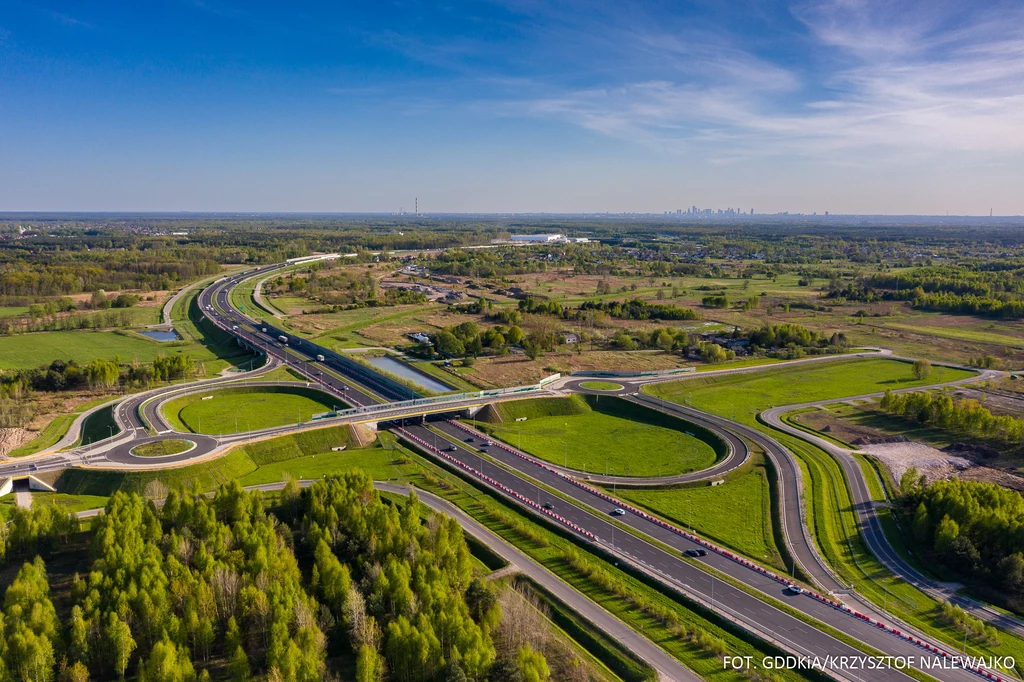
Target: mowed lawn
(232, 410)
(25, 351)
(593, 441)
(743, 395)
(724, 513)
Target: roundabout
(601, 386)
(166, 447)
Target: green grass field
(206, 345)
(162, 448)
(721, 513)
(603, 433)
(73, 503)
(601, 385)
(831, 514)
(743, 395)
(232, 410)
(23, 351)
(12, 310)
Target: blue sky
(848, 106)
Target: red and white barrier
(500, 486)
(837, 605)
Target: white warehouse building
(538, 238)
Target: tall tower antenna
(417, 206)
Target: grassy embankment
(695, 638)
(244, 408)
(603, 433)
(830, 509)
(722, 513)
(99, 425)
(243, 298)
(453, 376)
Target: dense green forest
(975, 530)
(335, 584)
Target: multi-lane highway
(592, 512)
(651, 546)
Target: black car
(470, 439)
(696, 552)
(548, 505)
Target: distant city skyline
(865, 107)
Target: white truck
(283, 338)
(319, 358)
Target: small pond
(389, 364)
(162, 335)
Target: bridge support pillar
(470, 412)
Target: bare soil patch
(517, 370)
(934, 464)
(13, 438)
(838, 428)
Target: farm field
(231, 410)
(602, 435)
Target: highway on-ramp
(589, 512)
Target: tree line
(968, 417)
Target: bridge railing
(442, 399)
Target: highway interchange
(649, 545)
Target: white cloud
(913, 82)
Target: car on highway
(485, 443)
(452, 448)
(618, 512)
(696, 552)
(470, 439)
(548, 506)
(793, 588)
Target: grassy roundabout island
(162, 448)
(601, 385)
(232, 410)
(592, 433)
